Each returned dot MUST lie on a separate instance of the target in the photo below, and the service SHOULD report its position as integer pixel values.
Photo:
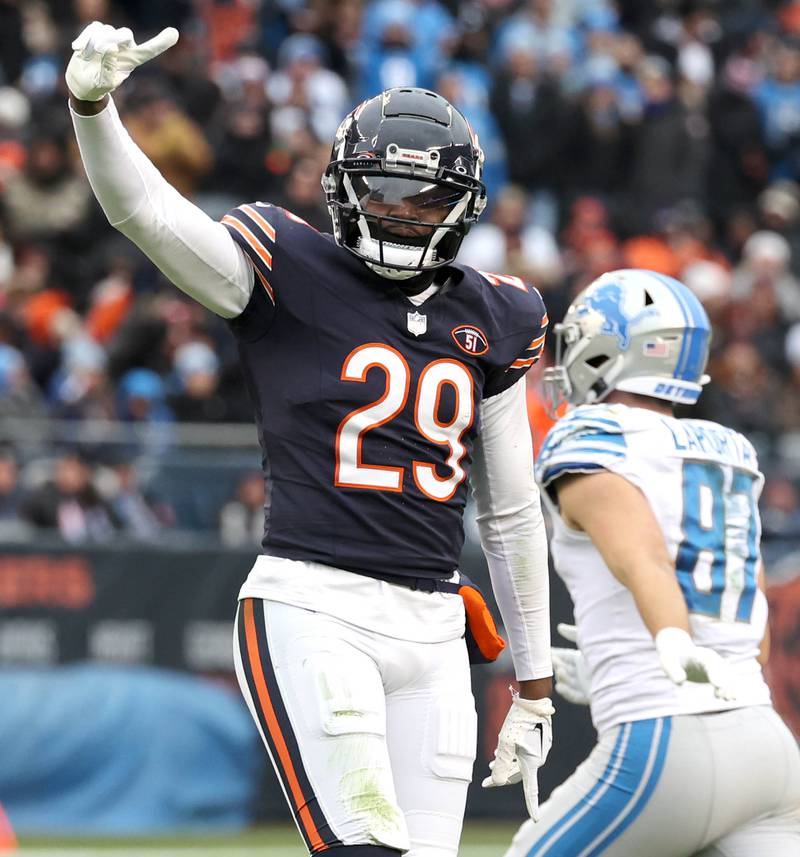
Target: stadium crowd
(661, 135)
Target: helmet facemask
(404, 211)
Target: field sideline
(480, 840)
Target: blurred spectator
(302, 194)
(778, 98)
(172, 141)
(47, 199)
(303, 92)
(765, 267)
(598, 141)
(542, 28)
(779, 206)
(670, 147)
(70, 503)
(19, 396)
(241, 168)
(139, 515)
(529, 111)
(511, 245)
(738, 167)
(141, 397)
(80, 389)
(241, 522)
(743, 393)
(197, 397)
(406, 43)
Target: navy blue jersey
(367, 406)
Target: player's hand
(522, 748)
(105, 56)
(683, 661)
(569, 668)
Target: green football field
(479, 840)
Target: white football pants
(725, 784)
(373, 738)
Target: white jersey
(703, 483)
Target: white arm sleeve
(512, 529)
(193, 250)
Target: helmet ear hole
(648, 298)
(597, 361)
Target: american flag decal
(656, 348)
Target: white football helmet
(632, 330)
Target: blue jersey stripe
(664, 727)
(586, 446)
(608, 812)
(550, 473)
(581, 433)
(612, 770)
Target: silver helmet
(631, 330)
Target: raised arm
(195, 252)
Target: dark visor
(394, 190)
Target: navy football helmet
(403, 185)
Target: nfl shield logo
(417, 323)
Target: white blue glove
(683, 661)
(105, 56)
(522, 747)
(569, 668)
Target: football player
(385, 378)
(656, 535)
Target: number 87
(717, 559)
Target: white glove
(682, 660)
(522, 748)
(104, 57)
(569, 668)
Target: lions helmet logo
(471, 339)
(607, 300)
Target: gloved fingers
(491, 782)
(567, 631)
(504, 768)
(673, 669)
(720, 676)
(104, 40)
(153, 47)
(529, 767)
(564, 660)
(87, 33)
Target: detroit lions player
(383, 375)
(656, 534)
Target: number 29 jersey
(702, 482)
(368, 405)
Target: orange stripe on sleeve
(251, 239)
(269, 229)
(536, 342)
(275, 731)
(521, 364)
(265, 284)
